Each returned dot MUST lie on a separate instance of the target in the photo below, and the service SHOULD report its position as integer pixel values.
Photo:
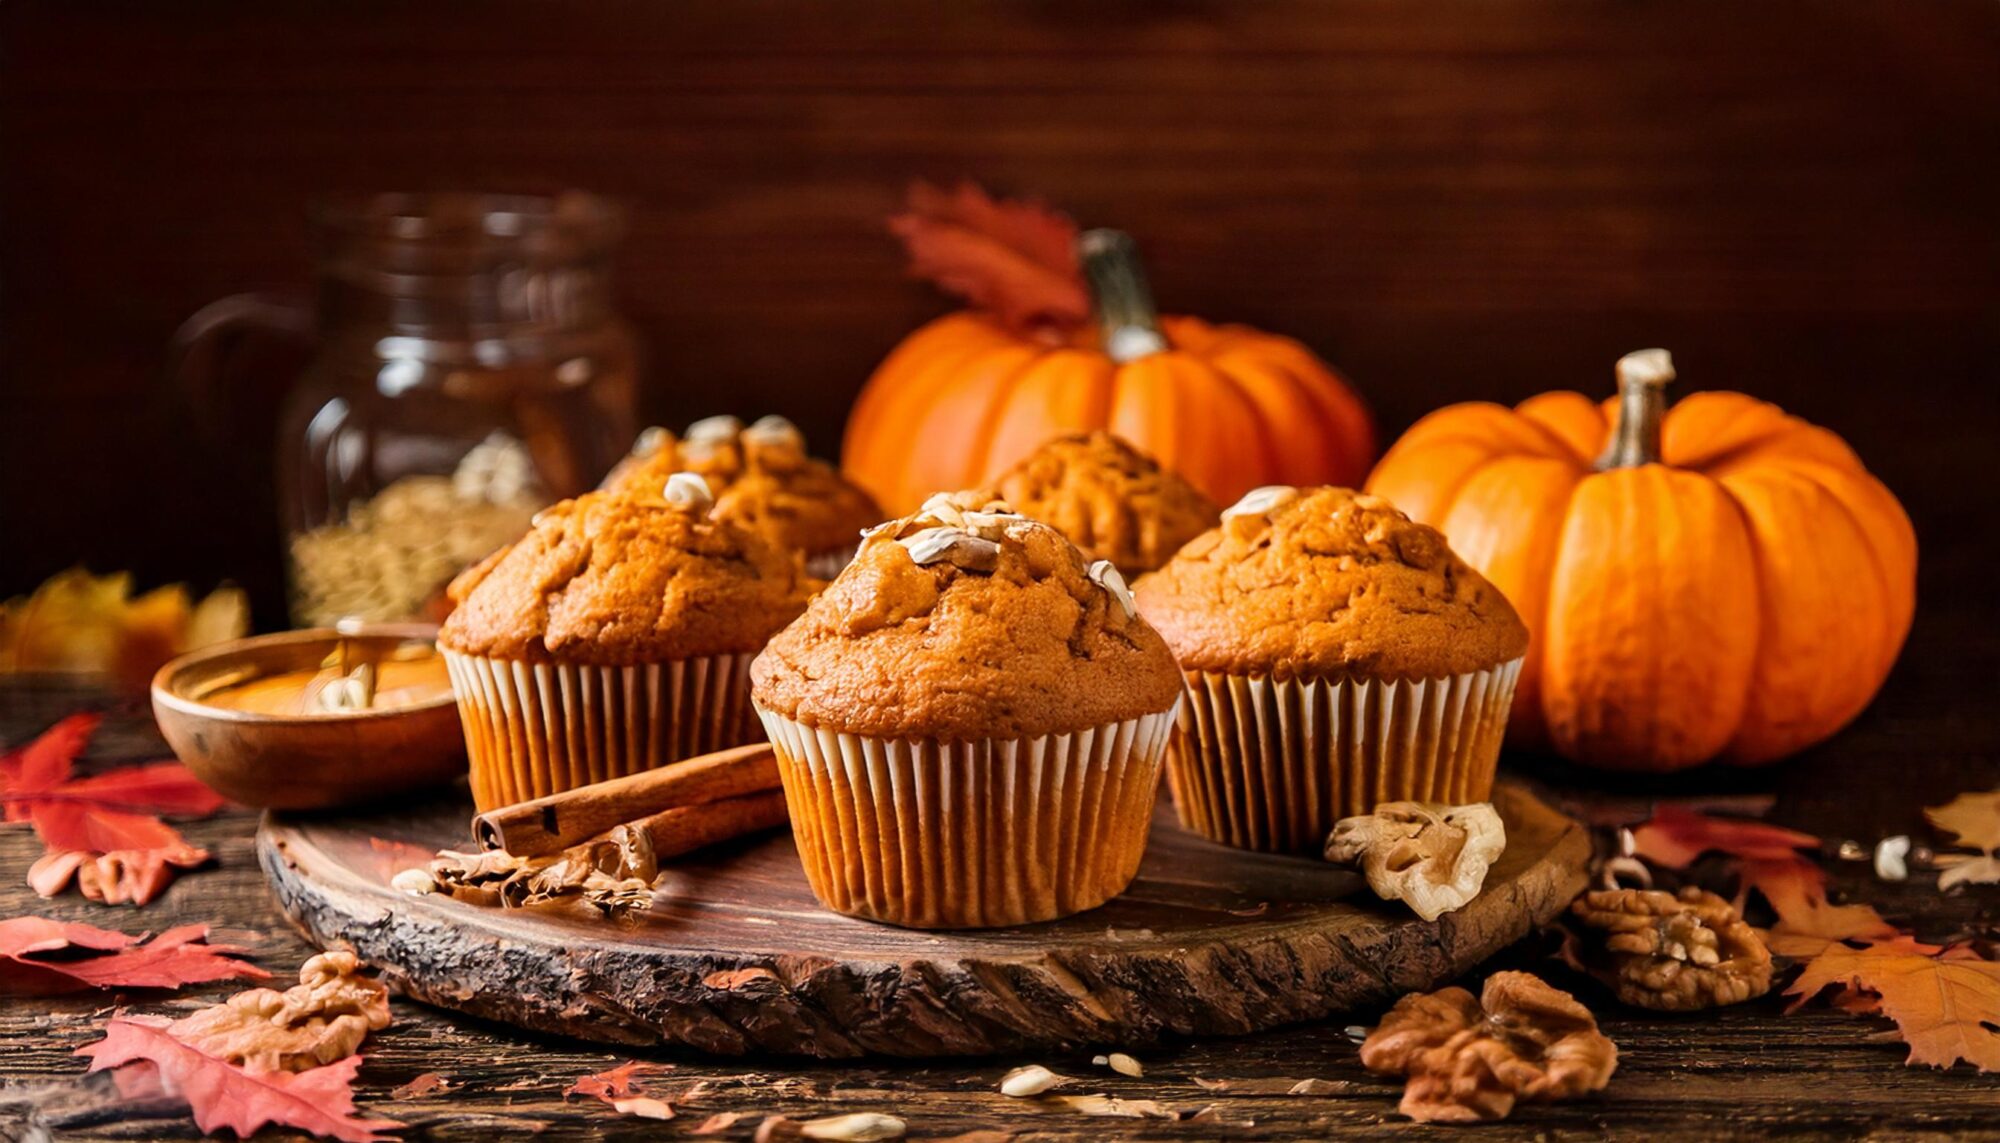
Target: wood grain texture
(1478, 200)
(1746, 1073)
(736, 957)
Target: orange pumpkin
(1229, 407)
(1721, 581)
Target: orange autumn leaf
(1945, 1002)
(1974, 822)
(1808, 924)
(1013, 259)
(1972, 819)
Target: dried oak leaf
(1468, 1060)
(176, 957)
(1974, 821)
(1431, 857)
(223, 1094)
(1675, 953)
(1015, 260)
(1945, 1001)
(321, 1019)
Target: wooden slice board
(736, 957)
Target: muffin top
(1113, 501)
(611, 580)
(1324, 581)
(962, 622)
(762, 479)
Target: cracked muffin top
(609, 580)
(1327, 582)
(1113, 501)
(762, 479)
(967, 621)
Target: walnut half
(1468, 1060)
(1431, 857)
(1674, 953)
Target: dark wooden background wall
(1802, 200)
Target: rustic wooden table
(1749, 1071)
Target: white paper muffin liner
(955, 835)
(533, 729)
(827, 564)
(1271, 766)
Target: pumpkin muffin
(1338, 655)
(763, 480)
(1113, 501)
(614, 637)
(969, 722)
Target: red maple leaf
(221, 1094)
(103, 829)
(1766, 854)
(1675, 837)
(176, 957)
(618, 1087)
(1013, 259)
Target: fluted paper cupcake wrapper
(533, 729)
(954, 835)
(1272, 765)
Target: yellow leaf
(1973, 818)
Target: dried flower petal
(856, 1127)
(1034, 1079)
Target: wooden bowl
(296, 762)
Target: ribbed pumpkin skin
(1741, 600)
(1228, 407)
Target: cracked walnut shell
(1469, 1060)
(1431, 857)
(1675, 953)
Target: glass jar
(469, 370)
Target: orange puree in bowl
(398, 682)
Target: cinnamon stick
(546, 826)
(641, 845)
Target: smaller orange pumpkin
(1718, 581)
(965, 397)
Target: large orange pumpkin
(1229, 407)
(1721, 581)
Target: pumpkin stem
(1642, 408)
(1126, 319)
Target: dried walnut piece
(1431, 857)
(321, 1019)
(1676, 953)
(1469, 1060)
